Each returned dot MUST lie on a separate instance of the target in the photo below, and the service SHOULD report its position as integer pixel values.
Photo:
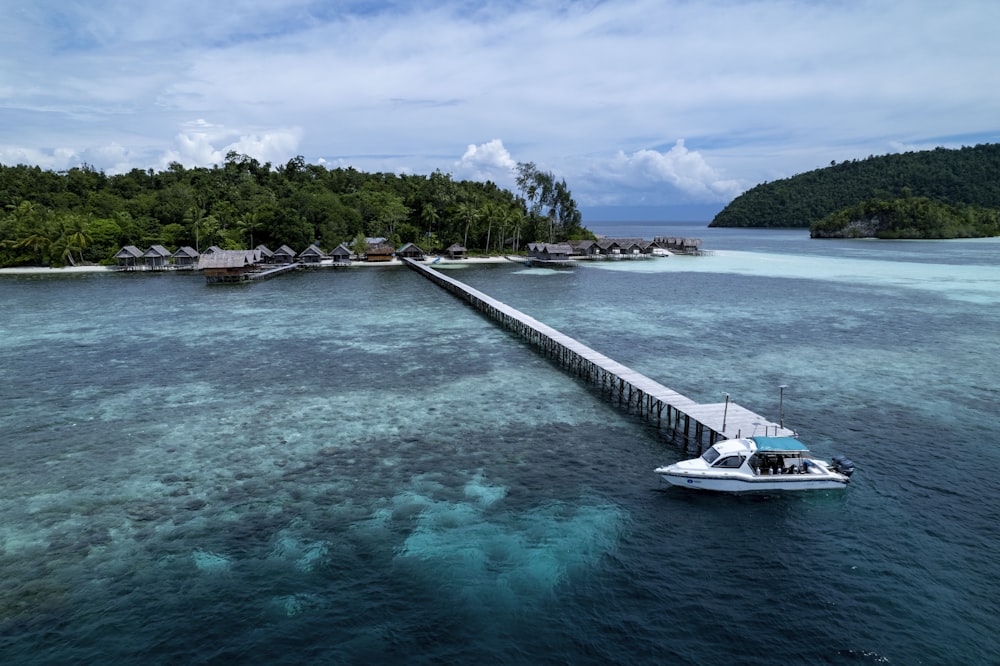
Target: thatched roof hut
(266, 255)
(549, 251)
(185, 257)
(341, 254)
(379, 252)
(312, 255)
(411, 251)
(156, 256)
(284, 255)
(129, 257)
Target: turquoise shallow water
(352, 466)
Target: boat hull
(788, 482)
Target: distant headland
(940, 193)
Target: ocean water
(352, 466)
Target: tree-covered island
(85, 216)
(938, 193)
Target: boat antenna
(781, 405)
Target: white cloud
(201, 143)
(57, 159)
(114, 157)
(686, 170)
(487, 161)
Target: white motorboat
(758, 463)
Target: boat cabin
(762, 455)
(779, 455)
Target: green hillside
(966, 176)
(910, 218)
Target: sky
(649, 109)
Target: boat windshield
(731, 462)
(710, 456)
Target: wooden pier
(269, 273)
(696, 424)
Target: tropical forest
(940, 193)
(85, 216)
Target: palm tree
(513, 217)
(469, 212)
(429, 215)
(490, 213)
(25, 212)
(247, 223)
(38, 242)
(76, 235)
(517, 218)
(38, 232)
(194, 218)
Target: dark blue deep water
(352, 466)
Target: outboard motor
(843, 466)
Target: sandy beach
(46, 270)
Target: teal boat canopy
(779, 444)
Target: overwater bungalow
(630, 249)
(609, 247)
(655, 249)
(129, 258)
(550, 254)
(584, 248)
(679, 245)
(266, 255)
(550, 251)
(229, 265)
(185, 257)
(312, 255)
(156, 257)
(623, 248)
(284, 255)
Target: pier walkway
(697, 424)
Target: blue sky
(648, 108)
